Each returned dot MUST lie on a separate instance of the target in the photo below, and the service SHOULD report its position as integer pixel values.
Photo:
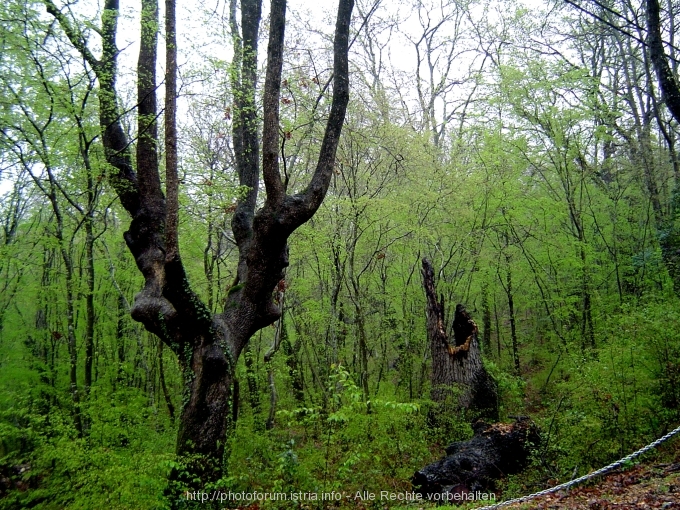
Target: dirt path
(641, 487)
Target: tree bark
(171, 178)
(459, 365)
(667, 80)
(208, 346)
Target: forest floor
(644, 486)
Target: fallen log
(473, 466)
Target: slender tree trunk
(587, 330)
(486, 318)
(251, 379)
(511, 310)
(273, 399)
(89, 302)
(338, 275)
(72, 348)
(164, 388)
(40, 346)
(122, 313)
(354, 285)
(293, 365)
(363, 353)
(276, 345)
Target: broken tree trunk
(475, 465)
(457, 368)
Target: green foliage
(511, 391)
(551, 181)
(603, 406)
(353, 445)
(119, 465)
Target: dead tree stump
(475, 465)
(459, 379)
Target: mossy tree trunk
(208, 345)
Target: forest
(258, 249)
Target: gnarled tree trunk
(207, 345)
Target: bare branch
(310, 200)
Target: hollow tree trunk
(456, 368)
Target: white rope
(583, 478)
